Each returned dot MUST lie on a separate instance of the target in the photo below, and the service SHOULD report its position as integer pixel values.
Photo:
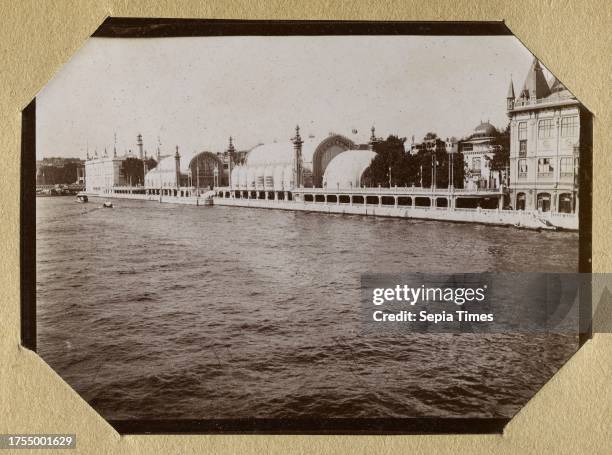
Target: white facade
(544, 146)
(478, 151)
(103, 173)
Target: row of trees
(393, 166)
(58, 175)
(133, 169)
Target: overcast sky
(196, 92)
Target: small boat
(81, 197)
(107, 204)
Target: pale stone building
(544, 144)
(478, 150)
(102, 173)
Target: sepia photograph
(207, 206)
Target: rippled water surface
(166, 311)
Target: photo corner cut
(220, 219)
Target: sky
(196, 92)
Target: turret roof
(511, 91)
(535, 85)
(556, 85)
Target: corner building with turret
(545, 122)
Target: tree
(133, 169)
(388, 166)
(500, 160)
(59, 175)
(407, 170)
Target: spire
(510, 95)
(177, 168)
(297, 139)
(298, 170)
(535, 83)
(230, 154)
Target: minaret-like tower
(373, 139)
(230, 156)
(298, 166)
(145, 167)
(510, 97)
(177, 167)
(139, 143)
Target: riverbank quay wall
(320, 202)
(530, 220)
(185, 197)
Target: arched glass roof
(167, 163)
(345, 170)
(282, 152)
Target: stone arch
(327, 150)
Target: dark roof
(556, 85)
(535, 85)
(511, 91)
(485, 129)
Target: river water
(155, 310)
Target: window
(569, 126)
(522, 131)
(468, 147)
(545, 128)
(476, 164)
(565, 203)
(523, 148)
(544, 202)
(545, 166)
(566, 166)
(522, 168)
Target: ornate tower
(177, 167)
(139, 142)
(373, 138)
(230, 157)
(510, 97)
(298, 169)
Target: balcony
(545, 175)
